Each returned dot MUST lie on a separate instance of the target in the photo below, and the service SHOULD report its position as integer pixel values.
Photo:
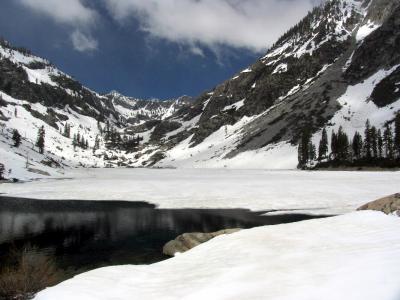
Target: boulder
(388, 205)
(188, 241)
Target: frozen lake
(321, 192)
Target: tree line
(375, 147)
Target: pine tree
(334, 142)
(40, 139)
(374, 142)
(16, 137)
(75, 141)
(367, 140)
(357, 145)
(96, 144)
(397, 135)
(342, 145)
(67, 130)
(2, 170)
(306, 150)
(312, 152)
(380, 144)
(388, 142)
(323, 146)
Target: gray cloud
(250, 24)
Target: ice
(318, 192)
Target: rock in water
(388, 205)
(188, 241)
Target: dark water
(83, 235)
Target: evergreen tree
(107, 131)
(96, 144)
(306, 150)
(357, 145)
(323, 146)
(374, 142)
(75, 141)
(312, 152)
(380, 144)
(40, 139)
(334, 142)
(388, 142)
(342, 145)
(67, 130)
(367, 140)
(397, 134)
(16, 137)
(2, 170)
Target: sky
(149, 48)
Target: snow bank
(353, 257)
(322, 192)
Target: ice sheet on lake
(322, 192)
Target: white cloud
(72, 13)
(82, 42)
(251, 24)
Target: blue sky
(149, 48)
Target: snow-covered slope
(354, 256)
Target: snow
(354, 256)
(235, 106)
(357, 107)
(366, 30)
(321, 192)
(210, 153)
(281, 68)
(40, 76)
(20, 58)
(248, 70)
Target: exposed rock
(388, 205)
(188, 241)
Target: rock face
(188, 241)
(388, 205)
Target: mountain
(34, 93)
(339, 66)
(135, 111)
